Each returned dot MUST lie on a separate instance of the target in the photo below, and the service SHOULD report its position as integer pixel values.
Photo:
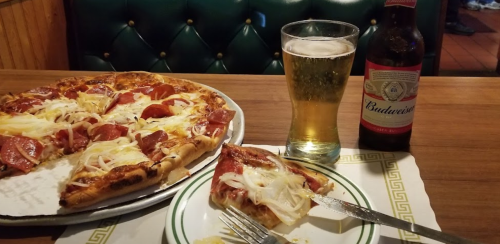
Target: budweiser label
(389, 97)
(405, 3)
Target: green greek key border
(394, 183)
(103, 231)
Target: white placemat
(392, 181)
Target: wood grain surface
(33, 35)
(455, 141)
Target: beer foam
(319, 47)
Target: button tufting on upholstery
(246, 33)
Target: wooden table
(455, 142)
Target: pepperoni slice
(3, 139)
(72, 93)
(101, 89)
(108, 132)
(162, 91)
(123, 98)
(148, 143)
(156, 111)
(91, 120)
(11, 155)
(221, 116)
(314, 185)
(214, 128)
(21, 105)
(171, 102)
(44, 92)
(226, 164)
(80, 140)
(146, 90)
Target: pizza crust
(146, 175)
(154, 173)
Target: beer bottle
(393, 63)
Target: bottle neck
(399, 16)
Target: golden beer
(317, 70)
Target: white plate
(192, 216)
(32, 199)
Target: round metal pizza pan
(128, 206)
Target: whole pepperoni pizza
(128, 131)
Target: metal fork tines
(247, 228)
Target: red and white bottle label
(389, 98)
(405, 3)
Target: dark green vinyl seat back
(215, 36)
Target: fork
(248, 229)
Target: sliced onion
(279, 164)
(92, 168)
(137, 96)
(215, 132)
(103, 165)
(281, 191)
(26, 155)
(199, 130)
(79, 184)
(180, 103)
(92, 127)
(165, 150)
(85, 124)
(70, 136)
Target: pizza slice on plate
(265, 186)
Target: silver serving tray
(128, 206)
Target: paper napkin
(390, 179)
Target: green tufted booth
(216, 36)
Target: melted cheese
(94, 103)
(282, 191)
(28, 125)
(177, 125)
(102, 156)
(127, 113)
(50, 117)
(63, 110)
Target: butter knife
(359, 212)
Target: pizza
(125, 131)
(265, 186)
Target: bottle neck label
(389, 97)
(404, 3)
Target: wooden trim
(439, 39)
(33, 35)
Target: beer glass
(318, 56)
